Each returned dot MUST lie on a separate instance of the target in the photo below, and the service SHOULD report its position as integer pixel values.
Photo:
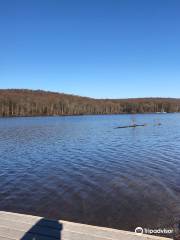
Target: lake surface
(82, 169)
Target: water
(82, 169)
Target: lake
(82, 169)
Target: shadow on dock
(44, 230)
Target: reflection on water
(82, 169)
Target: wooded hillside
(15, 102)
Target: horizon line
(74, 94)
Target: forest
(22, 102)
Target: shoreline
(84, 115)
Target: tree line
(18, 102)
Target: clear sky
(96, 48)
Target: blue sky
(96, 48)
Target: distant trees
(14, 102)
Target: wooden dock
(15, 226)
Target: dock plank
(14, 226)
(15, 234)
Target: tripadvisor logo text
(141, 230)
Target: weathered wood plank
(4, 238)
(106, 232)
(67, 226)
(24, 227)
(46, 231)
(15, 234)
(19, 217)
(65, 235)
(56, 226)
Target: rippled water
(82, 169)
